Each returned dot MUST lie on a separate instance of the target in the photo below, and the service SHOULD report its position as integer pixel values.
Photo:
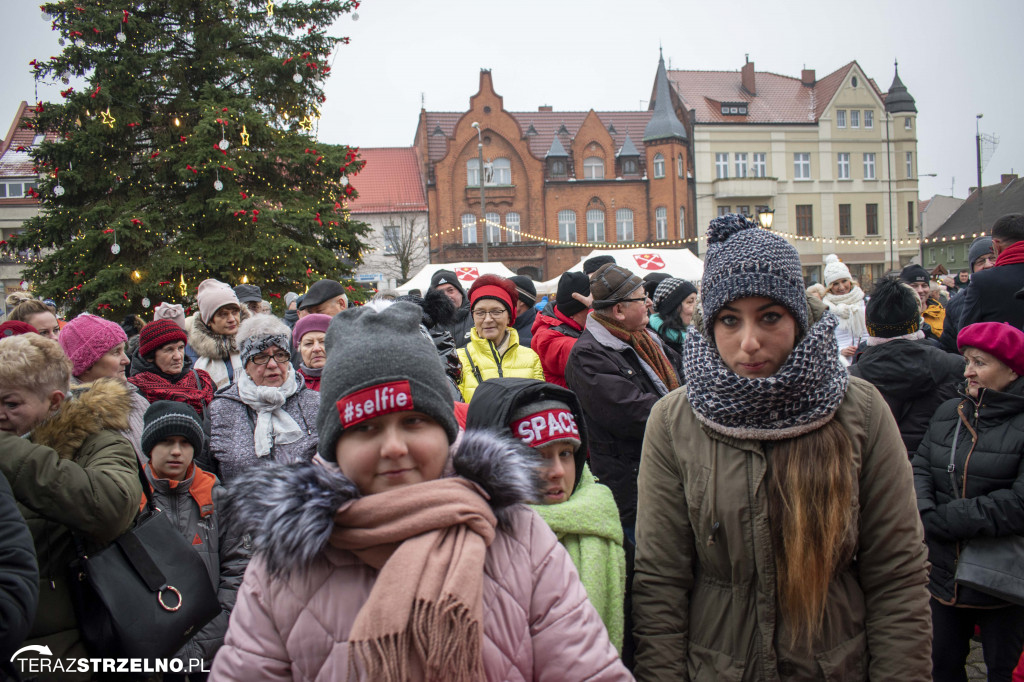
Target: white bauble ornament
(344, 181)
(224, 144)
(121, 37)
(145, 303)
(79, 42)
(46, 17)
(355, 16)
(58, 191)
(60, 41)
(218, 185)
(297, 77)
(65, 80)
(24, 285)
(115, 249)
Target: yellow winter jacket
(518, 361)
(935, 315)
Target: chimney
(544, 107)
(747, 78)
(1007, 178)
(807, 76)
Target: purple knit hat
(310, 323)
(87, 338)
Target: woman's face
(983, 370)
(314, 355)
(46, 324)
(559, 471)
(840, 287)
(170, 357)
(274, 372)
(22, 410)
(110, 366)
(686, 309)
(755, 336)
(391, 451)
(170, 458)
(490, 319)
(226, 320)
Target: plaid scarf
(185, 390)
(647, 348)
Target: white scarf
(849, 308)
(880, 340)
(273, 424)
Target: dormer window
(557, 168)
(629, 167)
(734, 108)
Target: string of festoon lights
(878, 241)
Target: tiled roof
(999, 200)
(390, 182)
(922, 205)
(15, 163)
(546, 123)
(779, 99)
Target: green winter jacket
(73, 471)
(707, 611)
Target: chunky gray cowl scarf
(801, 397)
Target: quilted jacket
(538, 622)
(517, 361)
(554, 335)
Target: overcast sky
(957, 58)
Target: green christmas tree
(190, 154)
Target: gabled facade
(838, 167)
(556, 184)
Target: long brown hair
(810, 490)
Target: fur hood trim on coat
(288, 509)
(87, 410)
(206, 344)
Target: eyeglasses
(990, 258)
(280, 358)
(634, 300)
(493, 314)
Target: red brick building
(557, 184)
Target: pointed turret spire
(898, 99)
(664, 123)
(556, 150)
(628, 148)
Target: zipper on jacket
(494, 353)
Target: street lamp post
(765, 217)
(981, 195)
(480, 176)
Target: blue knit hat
(744, 260)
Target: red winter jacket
(553, 345)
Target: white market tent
(467, 273)
(681, 263)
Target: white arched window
(493, 227)
(593, 168)
(595, 225)
(661, 223)
(473, 173)
(624, 225)
(468, 228)
(659, 166)
(682, 221)
(512, 225)
(567, 226)
(679, 165)
(500, 172)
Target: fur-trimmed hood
(288, 510)
(87, 410)
(206, 344)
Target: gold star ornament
(107, 118)
(245, 136)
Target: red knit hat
(500, 289)
(159, 333)
(16, 328)
(1000, 339)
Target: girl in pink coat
(404, 563)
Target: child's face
(391, 451)
(171, 457)
(22, 410)
(559, 471)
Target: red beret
(1000, 339)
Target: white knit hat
(835, 270)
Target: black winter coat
(617, 395)
(460, 326)
(19, 578)
(524, 326)
(951, 327)
(990, 298)
(914, 378)
(989, 477)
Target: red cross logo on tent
(649, 261)
(467, 274)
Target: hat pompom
(723, 227)
(831, 258)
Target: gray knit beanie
(979, 247)
(378, 362)
(260, 332)
(744, 260)
(670, 294)
(166, 418)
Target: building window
(760, 166)
(567, 226)
(950, 254)
(910, 164)
(845, 227)
(854, 118)
(595, 225)
(722, 165)
(679, 165)
(723, 210)
(871, 219)
(682, 221)
(558, 169)
(906, 126)
(911, 219)
(805, 220)
(661, 223)
(13, 190)
(629, 166)
(512, 228)
(758, 210)
(659, 166)
(743, 210)
(840, 118)
(473, 173)
(931, 255)
(493, 227)
(501, 172)
(869, 119)
(869, 166)
(802, 166)
(593, 168)
(392, 235)
(468, 228)
(844, 166)
(741, 164)
(624, 225)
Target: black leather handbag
(990, 565)
(144, 595)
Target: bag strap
(951, 469)
(142, 562)
(476, 370)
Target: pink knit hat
(1000, 339)
(310, 323)
(170, 311)
(214, 295)
(87, 338)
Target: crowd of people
(738, 478)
